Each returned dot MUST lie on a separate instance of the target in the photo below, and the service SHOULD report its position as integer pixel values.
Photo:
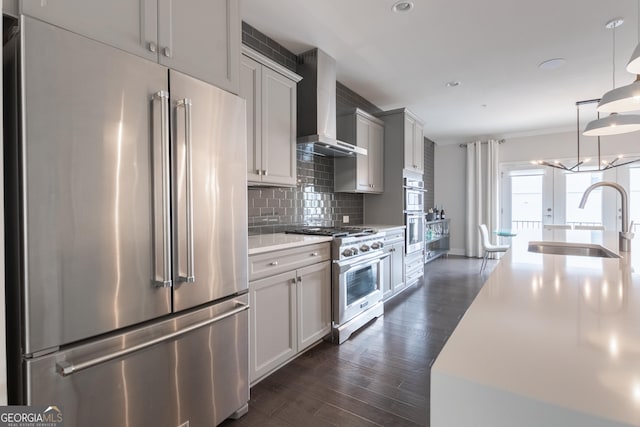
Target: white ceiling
(493, 47)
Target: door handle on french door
(165, 281)
(186, 104)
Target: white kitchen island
(550, 340)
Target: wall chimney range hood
(317, 107)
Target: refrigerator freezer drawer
(191, 368)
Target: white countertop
(550, 340)
(273, 242)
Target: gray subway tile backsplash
(311, 202)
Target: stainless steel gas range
(357, 275)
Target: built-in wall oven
(413, 195)
(414, 212)
(414, 232)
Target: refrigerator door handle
(186, 104)
(66, 368)
(165, 281)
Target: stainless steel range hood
(317, 107)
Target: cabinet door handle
(314, 254)
(166, 52)
(299, 279)
(165, 274)
(152, 47)
(274, 263)
(186, 104)
(264, 172)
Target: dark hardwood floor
(381, 375)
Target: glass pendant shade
(615, 124)
(633, 66)
(621, 99)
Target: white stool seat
(488, 246)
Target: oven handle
(361, 263)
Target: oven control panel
(355, 246)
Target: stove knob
(350, 252)
(364, 248)
(376, 245)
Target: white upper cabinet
(360, 174)
(270, 91)
(413, 143)
(197, 37)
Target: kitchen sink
(564, 248)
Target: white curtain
(482, 192)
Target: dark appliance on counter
(126, 236)
(357, 274)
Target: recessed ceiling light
(552, 64)
(453, 83)
(402, 6)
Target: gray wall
(429, 152)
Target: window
(526, 201)
(575, 185)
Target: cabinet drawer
(268, 264)
(393, 237)
(413, 267)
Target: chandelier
(585, 163)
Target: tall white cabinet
(270, 91)
(403, 151)
(413, 142)
(360, 174)
(197, 37)
(404, 157)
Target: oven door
(357, 286)
(415, 232)
(413, 200)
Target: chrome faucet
(625, 235)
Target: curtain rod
(500, 141)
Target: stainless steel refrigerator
(126, 236)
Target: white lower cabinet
(290, 311)
(413, 268)
(394, 264)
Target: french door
(534, 196)
(526, 197)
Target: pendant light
(614, 124)
(633, 66)
(625, 98)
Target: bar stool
(488, 246)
